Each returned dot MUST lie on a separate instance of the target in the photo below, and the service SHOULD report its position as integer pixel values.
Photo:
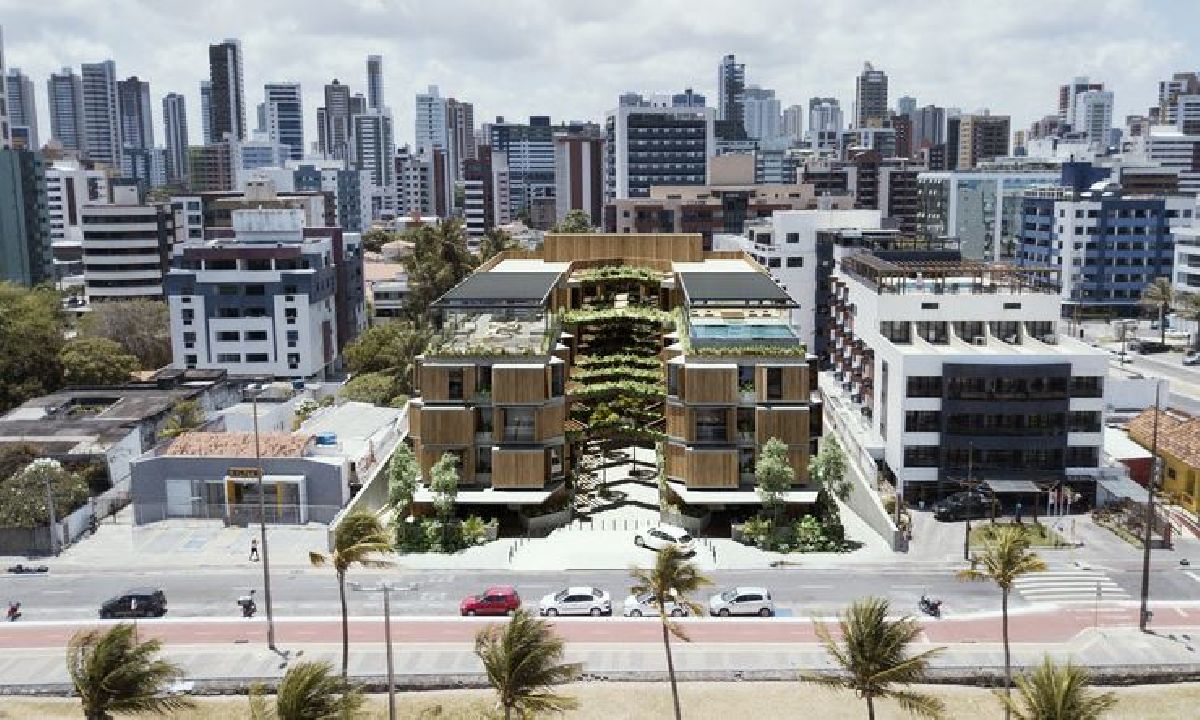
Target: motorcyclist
(14, 611)
(246, 602)
(931, 605)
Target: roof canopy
(509, 289)
(733, 289)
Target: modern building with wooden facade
(546, 360)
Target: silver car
(643, 605)
(660, 536)
(576, 601)
(742, 601)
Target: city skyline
(985, 57)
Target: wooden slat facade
(678, 425)
(518, 468)
(795, 384)
(789, 424)
(712, 469)
(434, 382)
(679, 247)
(711, 384)
(519, 384)
(447, 426)
(548, 423)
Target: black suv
(963, 505)
(136, 603)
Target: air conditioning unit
(979, 340)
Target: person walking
(254, 550)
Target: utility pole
(53, 521)
(971, 486)
(262, 529)
(1144, 616)
(386, 588)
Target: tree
(1054, 692)
(374, 239)
(575, 221)
(873, 657)
(14, 457)
(23, 496)
(31, 336)
(141, 327)
(377, 388)
(309, 691)
(185, 415)
(440, 260)
(96, 361)
(523, 661)
(114, 673)
(1006, 557)
(1160, 294)
(389, 348)
(403, 474)
(495, 241)
(775, 476)
(829, 468)
(672, 579)
(356, 541)
(443, 481)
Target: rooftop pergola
(958, 276)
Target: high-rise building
(375, 150)
(824, 113)
(175, 125)
(136, 120)
(126, 247)
(870, 97)
(26, 257)
(5, 132)
(928, 127)
(1067, 98)
(211, 167)
(431, 118)
(22, 109)
(101, 116)
(70, 186)
(283, 116)
(334, 137)
(731, 88)
(527, 151)
(906, 105)
(64, 95)
(206, 111)
(1092, 116)
(479, 201)
(688, 98)
(793, 123)
(375, 82)
(228, 104)
(579, 172)
(1181, 83)
(656, 146)
(761, 113)
(982, 137)
(460, 123)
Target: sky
(570, 59)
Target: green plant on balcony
(621, 272)
(616, 315)
(622, 359)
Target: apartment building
(126, 247)
(69, 187)
(506, 384)
(950, 373)
(647, 146)
(982, 208)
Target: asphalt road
(312, 592)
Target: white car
(659, 537)
(642, 606)
(742, 601)
(576, 601)
(1191, 357)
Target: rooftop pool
(742, 331)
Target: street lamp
(262, 529)
(1144, 615)
(386, 589)
(970, 486)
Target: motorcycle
(930, 606)
(14, 611)
(246, 603)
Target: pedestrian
(254, 549)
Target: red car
(497, 600)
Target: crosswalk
(1069, 586)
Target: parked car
(963, 505)
(496, 600)
(1147, 347)
(1191, 357)
(136, 603)
(660, 536)
(742, 601)
(576, 601)
(642, 605)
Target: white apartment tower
(101, 117)
(175, 125)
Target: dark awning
(733, 289)
(510, 289)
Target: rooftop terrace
(910, 274)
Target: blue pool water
(742, 330)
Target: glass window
(454, 384)
(712, 425)
(483, 420)
(518, 424)
(483, 379)
(795, 262)
(775, 383)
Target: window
(795, 262)
(925, 386)
(483, 420)
(921, 455)
(259, 335)
(922, 421)
(293, 360)
(454, 384)
(518, 424)
(896, 331)
(258, 264)
(189, 360)
(556, 379)
(673, 380)
(229, 336)
(929, 306)
(290, 315)
(1083, 421)
(256, 290)
(227, 290)
(774, 383)
(293, 337)
(793, 237)
(1083, 456)
(189, 337)
(483, 460)
(188, 314)
(1087, 387)
(712, 425)
(773, 262)
(257, 358)
(483, 380)
(746, 461)
(229, 358)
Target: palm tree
(357, 539)
(873, 655)
(523, 660)
(309, 691)
(1006, 557)
(113, 672)
(1160, 294)
(1056, 692)
(672, 579)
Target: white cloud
(570, 58)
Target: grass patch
(1038, 535)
